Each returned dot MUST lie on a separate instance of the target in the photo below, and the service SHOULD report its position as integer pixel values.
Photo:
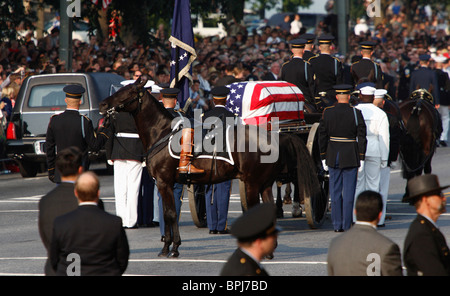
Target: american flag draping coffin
(257, 102)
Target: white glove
(383, 164)
(324, 164)
(110, 162)
(144, 164)
(361, 166)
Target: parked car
(42, 96)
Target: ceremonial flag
(183, 52)
(256, 102)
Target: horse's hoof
(296, 210)
(163, 254)
(280, 214)
(173, 254)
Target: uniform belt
(127, 135)
(340, 139)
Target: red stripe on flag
(257, 102)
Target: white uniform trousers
(127, 183)
(368, 178)
(444, 111)
(385, 175)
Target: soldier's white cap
(379, 93)
(368, 90)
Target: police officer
(217, 196)
(425, 78)
(298, 71)
(328, 69)
(404, 73)
(70, 128)
(366, 68)
(308, 52)
(444, 98)
(342, 144)
(125, 151)
(256, 234)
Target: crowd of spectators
(250, 54)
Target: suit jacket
(96, 236)
(425, 251)
(61, 200)
(269, 76)
(228, 79)
(339, 122)
(328, 71)
(241, 264)
(348, 254)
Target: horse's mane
(159, 106)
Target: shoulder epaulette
(315, 56)
(88, 119)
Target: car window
(48, 95)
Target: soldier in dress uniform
(298, 71)
(366, 68)
(125, 151)
(217, 196)
(328, 69)
(308, 52)
(256, 234)
(70, 128)
(425, 251)
(342, 144)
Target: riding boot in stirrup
(187, 142)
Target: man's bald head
(87, 187)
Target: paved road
(301, 250)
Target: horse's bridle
(113, 110)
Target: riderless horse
(153, 122)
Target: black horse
(423, 128)
(153, 122)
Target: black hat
(325, 39)
(308, 37)
(220, 92)
(164, 85)
(422, 185)
(298, 43)
(405, 57)
(367, 45)
(424, 57)
(170, 92)
(257, 222)
(342, 89)
(74, 91)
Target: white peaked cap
(148, 84)
(368, 90)
(379, 93)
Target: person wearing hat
(125, 152)
(377, 152)
(328, 69)
(394, 148)
(366, 68)
(443, 81)
(308, 51)
(299, 71)
(342, 145)
(425, 78)
(70, 128)
(217, 196)
(425, 250)
(404, 72)
(348, 254)
(256, 233)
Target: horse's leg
(252, 193)
(279, 202)
(298, 199)
(169, 215)
(427, 166)
(287, 197)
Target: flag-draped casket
(257, 102)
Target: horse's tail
(306, 168)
